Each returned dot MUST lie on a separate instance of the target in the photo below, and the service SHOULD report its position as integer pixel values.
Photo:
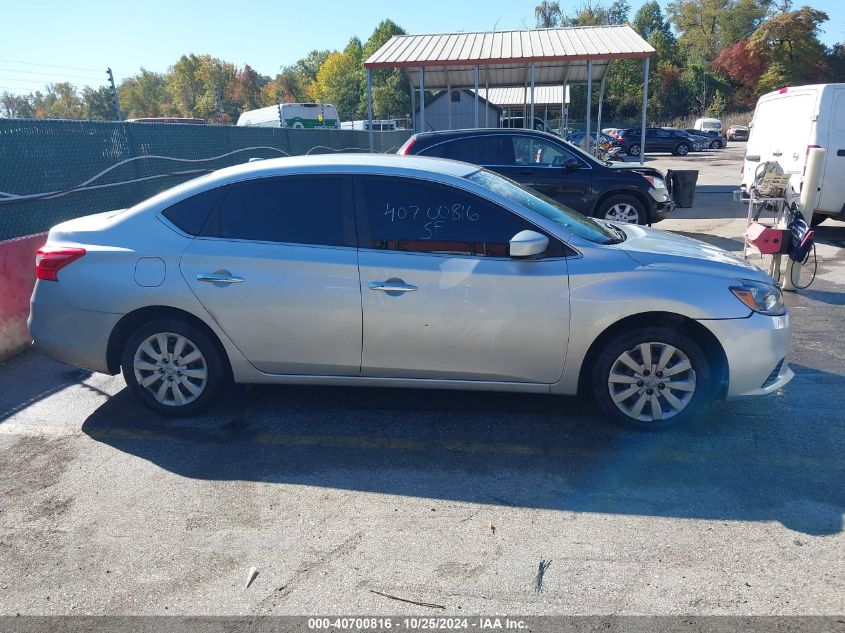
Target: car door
(542, 165)
(441, 297)
(276, 266)
(664, 140)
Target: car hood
(648, 171)
(662, 249)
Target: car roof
(425, 137)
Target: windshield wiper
(620, 234)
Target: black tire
(210, 362)
(682, 149)
(634, 150)
(611, 207)
(716, 145)
(608, 359)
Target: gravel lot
(439, 497)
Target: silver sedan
(397, 271)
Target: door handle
(840, 152)
(219, 278)
(777, 153)
(392, 286)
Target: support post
(532, 96)
(449, 103)
(117, 114)
(487, 99)
(370, 106)
(476, 95)
(525, 100)
(601, 99)
(414, 108)
(422, 98)
(589, 103)
(645, 107)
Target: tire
(716, 145)
(682, 149)
(634, 150)
(622, 208)
(147, 375)
(673, 407)
(298, 126)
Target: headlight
(760, 297)
(657, 183)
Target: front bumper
(69, 334)
(754, 347)
(661, 210)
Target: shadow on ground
(774, 458)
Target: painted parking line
(655, 453)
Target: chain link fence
(52, 171)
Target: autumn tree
(338, 82)
(743, 70)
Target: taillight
(49, 260)
(405, 150)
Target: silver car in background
(398, 271)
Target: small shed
(455, 110)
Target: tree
(836, 63)
(595, 13)
(62, 101)
(184, 86)
(338, 83)
(548, 14)
(391, 90)
(145, 95)
(246, 91)
(707, 26)
(98, 103)
(743, 70)
(790, 39)
(17, 106)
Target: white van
(790, 121)
(294, 115)
(708, 125)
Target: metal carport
(527, 58)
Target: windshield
(558, 213)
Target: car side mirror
(528, 244)
(571, 164)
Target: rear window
(191, 213)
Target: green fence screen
(56, 157)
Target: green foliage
(98, 103)
(145, 95)
(790, 40)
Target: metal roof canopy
(503, 97)
(538, 57)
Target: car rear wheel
(682, 149)
(715, 144)
(652, 378)
(634, 150)
(172, 367)
(622, 208)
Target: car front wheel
(652, 378)
(172, 367)
(682, 149)
(622, 208)
(715, 145)
(634, 150)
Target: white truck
(787, 123)
(378, 125)
(293, 115)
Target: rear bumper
(757, 350)
(68, 334)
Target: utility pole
(114, 100)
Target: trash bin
(683, 186)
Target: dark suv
(557, 169)
(657, 139)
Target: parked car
(577, 138)
(699, 142)
(657, 139)
(712, 139)
(555, 168)
(737, 132)
(390, 271)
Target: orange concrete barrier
(17, 278)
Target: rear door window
(478, 150)
(289, 209)
(191, 213)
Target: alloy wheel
(622, 212)
(651, 382)
(171, 368)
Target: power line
(17, 61)
(43, 74)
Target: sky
(56, 40)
